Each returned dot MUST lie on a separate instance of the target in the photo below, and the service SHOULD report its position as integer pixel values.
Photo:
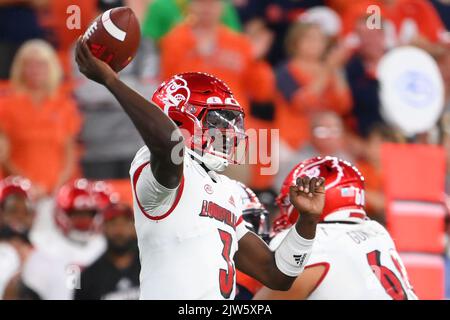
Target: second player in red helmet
(75, 236)
(78, 208)
(353, 257)
(344, 189)
(188, 218)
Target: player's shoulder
(228, 184)
(378, 229)
(375, 226)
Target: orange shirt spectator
(230, 60)
(39, 121)
(66, 20)
(38, 135)
(307, 84)
(201, 43)
(405, 21)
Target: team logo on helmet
(175, 93)
(312, 173)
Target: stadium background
(314, 79)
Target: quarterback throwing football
(188, 218)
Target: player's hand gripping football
(308, 196)
(91, 67)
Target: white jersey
(360, 262)
(47, 236)
(187, 236)
(9, 265)
(46, 276)
(54, 243)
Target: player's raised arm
(158, 131)
(278, 270)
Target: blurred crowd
(307, 68)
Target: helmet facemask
(221, 140)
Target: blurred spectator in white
(39, 276)
(312, 80)
(39, 120)
(18, 24)
(327, 139)
(115, 275)
(74, 233)
(362, 77)
(9, 265)
(108, 136)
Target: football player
(36, 275)
(353, 257)
(187, 217)
(76, 236)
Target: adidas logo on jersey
(231, 201)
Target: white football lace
(90, 30)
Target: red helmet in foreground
(78, 207)
(211, 119)
(344, 191)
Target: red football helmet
(344, 190)
(14, 185)
(253, 211)
(210, 118)
(17, 220)
(84, 196)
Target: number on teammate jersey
(390, 282)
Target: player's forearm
(275, 279)
(158, 131)
(256, 259)
(306, 225)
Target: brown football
(114, 37)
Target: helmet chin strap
(212, 162)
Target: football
(114, 37)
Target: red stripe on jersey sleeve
(136, 176)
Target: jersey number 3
(226, 277)
(390, 282)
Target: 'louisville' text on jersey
(213, 210)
